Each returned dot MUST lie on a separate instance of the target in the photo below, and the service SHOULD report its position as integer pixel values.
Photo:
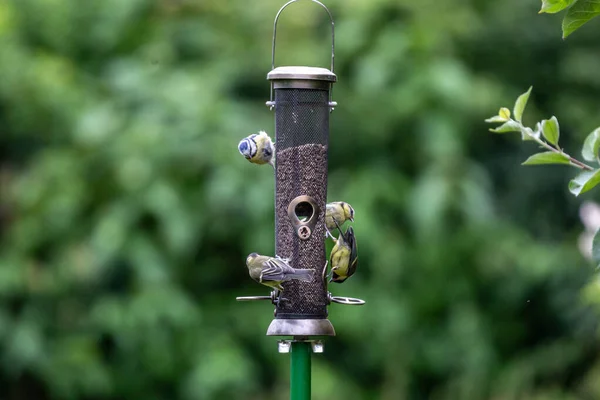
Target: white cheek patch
(253, 150)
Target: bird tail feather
(305, 275)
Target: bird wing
(275, 269)
(353, 252)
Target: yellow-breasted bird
(344, 256)
(337, 211)
(258, 149)
(271, 271)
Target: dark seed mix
(302, 170)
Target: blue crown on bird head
(247, 147)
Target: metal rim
(300, 328)
(313, 75)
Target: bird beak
(352, 219)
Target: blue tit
(258, 149)
(344, 256)
(272, 271)
(337, 211)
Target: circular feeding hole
(304, 211)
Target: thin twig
(574, 162)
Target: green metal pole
(300, 371)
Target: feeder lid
(309, 73)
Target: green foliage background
(126, 212)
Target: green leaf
(504, 113)
(548, 157)
(495, 118)
(585, 181)
(503, 116)
(510, 126)
(551, 130)
(521, 103)
(554, 6)
(528, 134)
(579, 14)
(591, 146)
(596, 248)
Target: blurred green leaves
(554, 6)
(596, 248)
(126, 211)
(579, 12)
(584, 182)
(547, 157)
(591, 145)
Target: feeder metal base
(300, 327)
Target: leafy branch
(547, 134)
(579, 12)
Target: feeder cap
(302, 73)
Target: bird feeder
(302, 99)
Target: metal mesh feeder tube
(302, 108)
(302, 99)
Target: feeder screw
(317, 346)
(304, 232)
(283, 346)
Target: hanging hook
(332, 104)
(275, 32)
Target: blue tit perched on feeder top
(340, 211)
(344, 256)
(271, 271)
(258, 149)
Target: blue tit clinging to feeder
(272, 271)
(341, 211)
(337, 211)
(344, 256)
(258, 149)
